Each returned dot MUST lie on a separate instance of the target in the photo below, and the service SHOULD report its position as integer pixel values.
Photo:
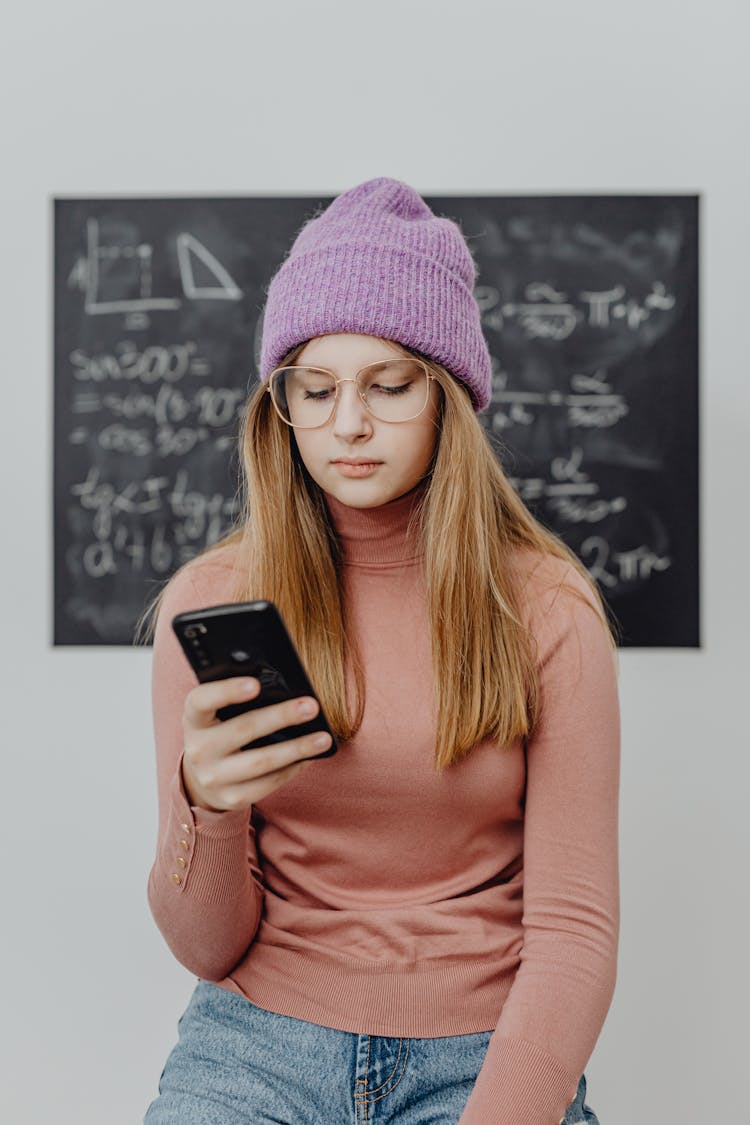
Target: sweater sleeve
(205, 887)
(556, 1007)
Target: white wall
(186, 98)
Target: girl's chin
(366, 492)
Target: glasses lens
(395, 390)
(304, 396)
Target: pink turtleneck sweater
(371, 894)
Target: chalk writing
(611, 567)
(188, 520)
(547, 313)
(601, 409)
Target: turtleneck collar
(377, 535)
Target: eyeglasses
(393, 390)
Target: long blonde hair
(469, 521)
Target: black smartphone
(250, 639)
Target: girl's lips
(363, 470)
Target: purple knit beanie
(378, 261)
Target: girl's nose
(352, 416)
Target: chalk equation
(569, 491)
(574, 500)
(615, 568)
(589, 403)
(128, 362)
(145, 526)
(548, 313)
(179, 418)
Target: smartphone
(250, 639)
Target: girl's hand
(216, 773)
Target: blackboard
(590, 309)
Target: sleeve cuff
(519, 1082)
(205, 852)
(211, 822)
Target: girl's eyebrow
(333, 368)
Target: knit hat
(378, 261)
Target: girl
(422, 927)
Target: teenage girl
(421, 928)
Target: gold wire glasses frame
(363, 396)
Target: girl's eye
(378, 388)
(317, 396)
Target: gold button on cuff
(177, 879)
(181, 861)
(184, 845)
(185, 828)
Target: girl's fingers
(202, 703)
(248, 765)
(263, 721)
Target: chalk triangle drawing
(224, 290)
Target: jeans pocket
(578, 1113)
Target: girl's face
(400, 451)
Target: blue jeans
(238, 1064)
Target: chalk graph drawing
(226, 290)
(128, 268)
